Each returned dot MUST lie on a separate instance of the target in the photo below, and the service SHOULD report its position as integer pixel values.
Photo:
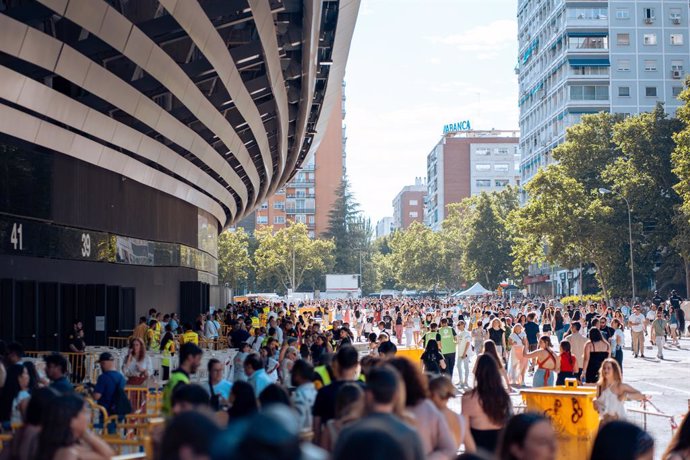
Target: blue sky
(414, 66)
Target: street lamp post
(605, 191)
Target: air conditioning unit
(675, 20)
(648, 20)
(676, 74)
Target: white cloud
(485, 40)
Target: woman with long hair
(431, 425)
(479, 336)
(617, 341)
(25, 438)
(612, 392)
(517, 364)
(547, 363)
(65, 432)
(620, 440)
(568, 368)
(490, 349)
(679, 447)
(242, 401)
(15, 394)
(432, 359)
(596, 351)
(442, 390)
(528, 436)
(137, 366)
(557, 324)
(487, 406)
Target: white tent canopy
(476, 289)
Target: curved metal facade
(214, 102)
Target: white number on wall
(16, 238)
(85, 245)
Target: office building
(577, 58)
(408, 205)
(384, 227)
(309, 196)
(467, 163)
(132, 133)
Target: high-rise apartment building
(577, 58)
(309, 196)
(408, 205)
(467, 163)
(585, 57)
(384, 227)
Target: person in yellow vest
(189, 335)
(168, 350)
(153, 337)
(190, 360)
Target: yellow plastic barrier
(571, 410)
(413, 354)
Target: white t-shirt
(651, 315)
(636, 322)
(463, 338)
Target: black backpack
(120, 405)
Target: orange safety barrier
(119, 342)
(76, 369)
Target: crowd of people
(335, 379)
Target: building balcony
(300, 210)
(300, 184)
(305, 195)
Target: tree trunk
(602, 282)
(686, 264)
(488, 285)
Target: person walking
(617, 341)
(463, 348)
(612, 392)
(517, 364)
(637, 331)
(659, 331)
(596, 351)
(547, 363)
(448, 344)
(577, 343)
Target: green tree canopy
(234, 262)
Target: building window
(677, 65)
(624, 91)
(578, 43)
(279, 220)
(279, 205)
(623, 39)
(483, 182)
(648, 15)
(501, 167)
(483, 152)
(264, 205)
(587, 13)
(482, 167)
(589, 93)
(650, 91)
(677, 90)
(501, 182)
(650, 65)
(261, 219)
(310, 219)
(414, 203)
(676, 39)
(649, 39)
(623, 65)
(622, 13)
(300, 219)
(281, 191)
(414, 214)
(674, 15)
(501, 151)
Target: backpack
(121, 405)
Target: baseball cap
(105, 356)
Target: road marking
(666, 387)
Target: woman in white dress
(612, 392)
(517, 364)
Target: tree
(234, 262)
(350, 231)
(287, 256)
(485, 241)
(681, 168)
(417, 256)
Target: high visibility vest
(322, 371)
(189, 337)
(176, 378)
(168, 350)
(447, 340)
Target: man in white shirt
(651, 315)
(463, 340)
(637, 330)
(212, 327)
(577, 345)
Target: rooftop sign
(458, 126)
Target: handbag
(136, 380)
(442, 364)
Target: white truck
(342, 287)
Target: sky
(414, 66)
